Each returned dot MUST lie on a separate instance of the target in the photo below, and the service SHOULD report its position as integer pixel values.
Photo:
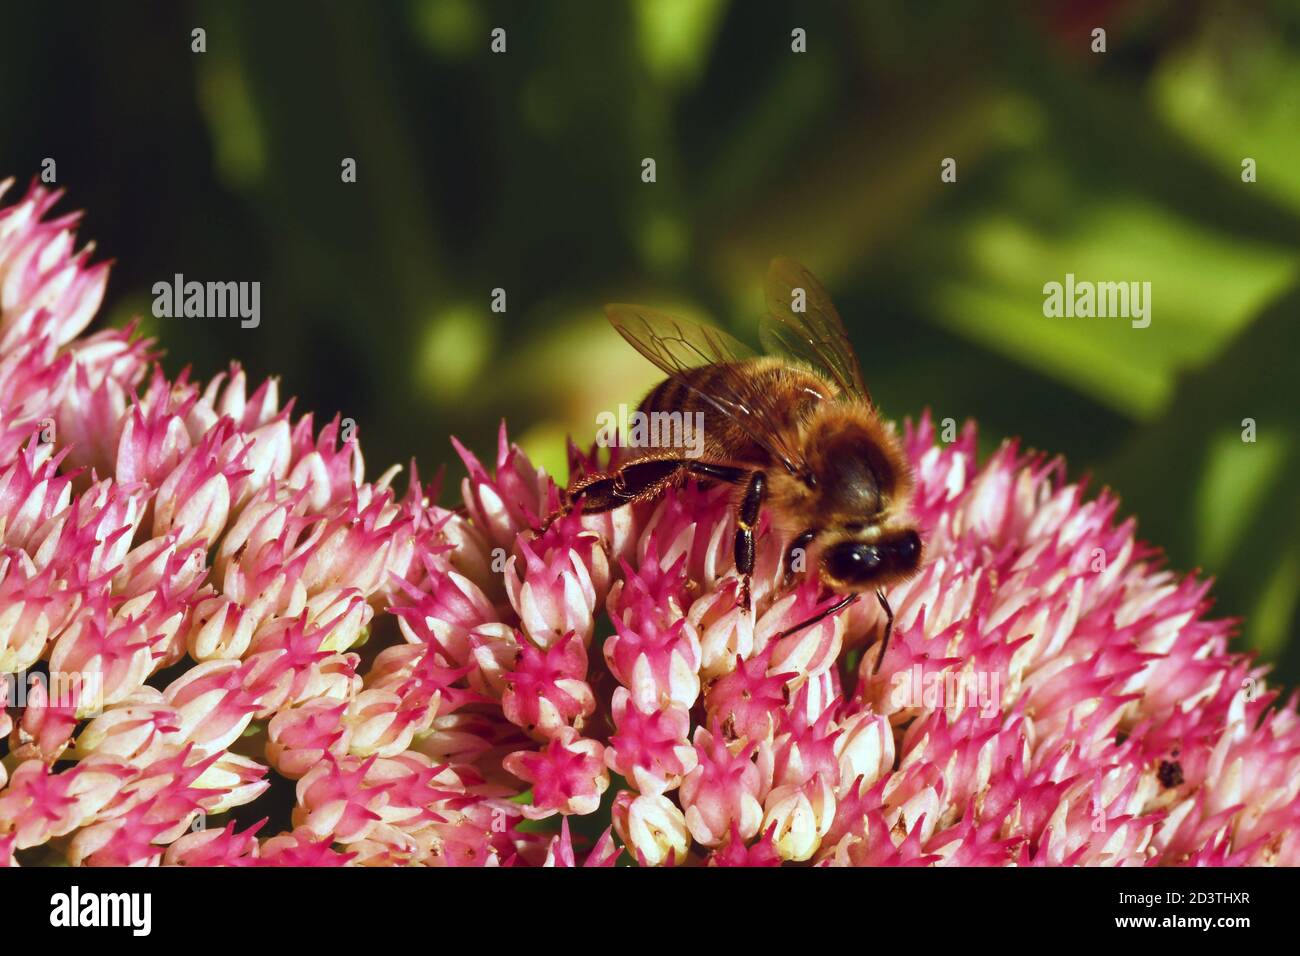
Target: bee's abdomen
(685, 393)
(662, 395)
(682, 394)
(726, 439)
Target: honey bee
(795, 431)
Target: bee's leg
(565, 503)
(746, 513)
(635, 481)
(715, 472)
(751, 502)
(799, 544)
(889, 629)
(606, 491)
(820, 616)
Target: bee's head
(853, 500)
(856, 565)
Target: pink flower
(335, 800)
(511, 502)
(651, 749)
(235, 599)
(547, 689)
(300, 737)
(36, 804)
(35, 610)
(560, 852)
(736, 853)
(552, 597)
(723, 795)
(46, 727)
(657, 661)
(222, 847)
(653, 827)
(301, 848)
(382, 723)
(445, 611)
(748, 703)
(127, 840)
(568, 774)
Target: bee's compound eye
(906, 551)
(853, 561)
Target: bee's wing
(677, 346)
(815, 335)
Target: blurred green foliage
(522, 171)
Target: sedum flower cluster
(206, 609)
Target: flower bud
(653, 828)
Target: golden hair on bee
(857, 493)
(795, 432)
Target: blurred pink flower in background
(238, 604)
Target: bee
(794, 431)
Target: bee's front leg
(746, 519)
(889, 629)
(751, 501)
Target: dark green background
(522, 171)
